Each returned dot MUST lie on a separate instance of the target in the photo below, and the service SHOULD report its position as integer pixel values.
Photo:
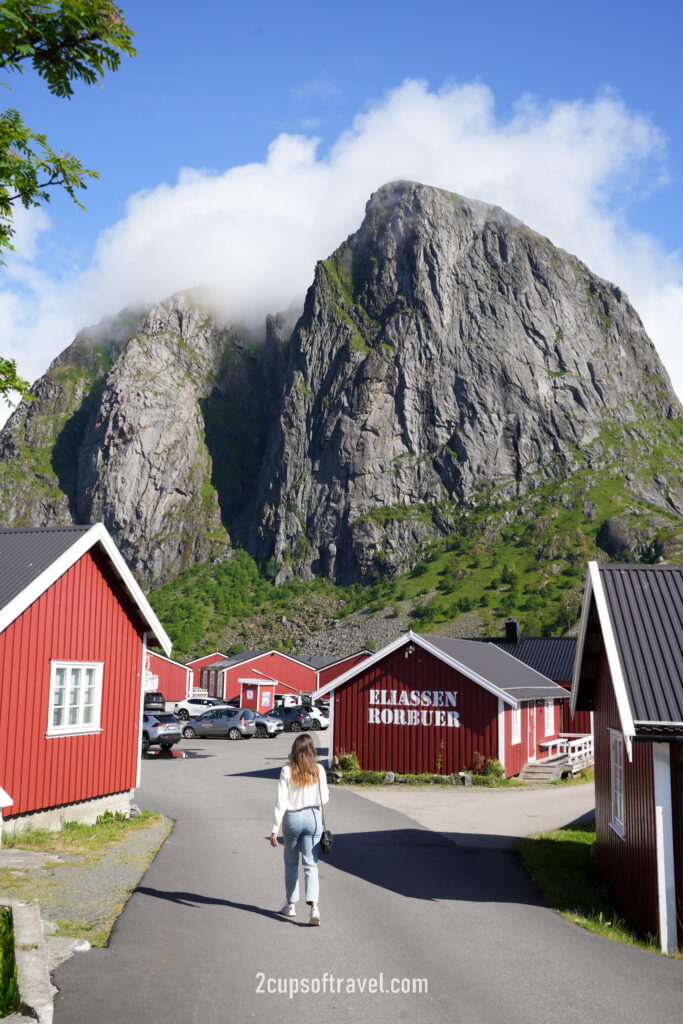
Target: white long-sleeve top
(294, 798)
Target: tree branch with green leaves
(63, 41)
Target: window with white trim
(549, 717)
(616, 749)
(516, 726)
(75, 698)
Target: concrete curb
(34, 961)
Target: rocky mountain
(446, 350)
(448, 359)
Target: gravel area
(86, 892)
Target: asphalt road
(199, 941)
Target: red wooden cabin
(429, 704)
(330, 668)
(74, 630)
(629, 673)
(197, 664)
(289, 674)
(169, 677)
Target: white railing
(576, 747)
(579, 749)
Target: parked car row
(209, 716)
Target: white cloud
(253, 233)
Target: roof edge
(83, 542)
(417, 638)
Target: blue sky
(216, 84)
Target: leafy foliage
(10, 381)
(64, 41)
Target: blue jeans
(301, 831)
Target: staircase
(574, 752)
(546, 770)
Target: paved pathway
(491, 818)
(199, 936)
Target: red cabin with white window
(169, 677)
(431, 704)
(74, 629)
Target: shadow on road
(196, 899)
(423, 865)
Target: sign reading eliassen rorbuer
(413, 707)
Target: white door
(531, 731)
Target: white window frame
(79, 727)
(616, 766)
(549, 717)
(516, 726)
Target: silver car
(159, 729)
(233, 723)
(268, 725)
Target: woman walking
(302, 786)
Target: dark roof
(317, 662)
(552, 656)
(506, 672)
(26, 553)
(645, 604)
(236, 659)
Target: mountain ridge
(449, 367)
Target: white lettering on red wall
(414, 707)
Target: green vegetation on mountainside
(524, 557)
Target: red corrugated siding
(628, 865)
(80, 618)
(273, 666)
(326, 675)
(410, 748)
(581, 721)
(172, 677)
(517, 755)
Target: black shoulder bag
(326, 839)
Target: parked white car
(194, 706)
(320, 719)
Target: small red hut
(257, 695)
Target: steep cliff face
(444, 349)
(447, 359)
(155, 429)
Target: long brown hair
(303, 765)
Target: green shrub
(348, 761)
(9, 992)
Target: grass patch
(87, 911)
(77, 837)
(9, 991)
(562, 864)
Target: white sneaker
(289, 910)
(314, 919)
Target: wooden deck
(573, 752)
